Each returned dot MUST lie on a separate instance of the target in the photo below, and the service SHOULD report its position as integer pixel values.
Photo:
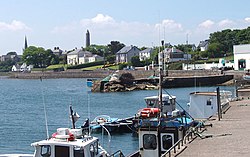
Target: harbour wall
(103, 73)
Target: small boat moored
(113, 125)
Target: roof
(126, 49)
(173, 50)
(204, 93)
(81, 53)
(147, 50)
(203, 43)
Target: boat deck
(229, 136)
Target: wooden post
(218, 103)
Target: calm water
(22, 110)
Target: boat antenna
(160, 80)
(44, 109)
(88, 99)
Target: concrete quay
(228, 137)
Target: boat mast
(161, 66)
(72, 117)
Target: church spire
(25, 43)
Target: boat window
(78, 152)
(209, 102)
(166, 103)
(151, 103)
(62, 151)
(45, 150)
(96, 147)
(167, 141)
(149, 141)
(92, 150)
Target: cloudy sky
(63, 23)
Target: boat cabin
(169, 103)
(69, 143)
(156, 140)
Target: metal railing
(117, 154)
(191, 134)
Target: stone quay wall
(103, 73)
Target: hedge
(80, 66)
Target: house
(145, 54)
(174, 55)
(125, 54)
(241, 57)
(11, 57)
(57, 51)
(21, 68)
(16, 68)
(80, 56)
(204, 45)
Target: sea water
(24, 104)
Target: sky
(64, 23)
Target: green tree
(115, 46)
(135, 61)
(215, 50)
(39, 57)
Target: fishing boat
(160, 125)
(67, 142)
(113, 125)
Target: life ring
(149, 112)
(69, 137)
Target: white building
(203, 105)
(80, 56)
(21, 68)
(145, 54)
(209, 66)
(241, 57)
(174, 55)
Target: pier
(227, 137)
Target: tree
(39, 57)
(115, 46)
(135, 61)
(215, 50)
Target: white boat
(66, 142)
(69, 143)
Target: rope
(179, 105)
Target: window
(92, 150)
(149, 141)
(61, 151)
(45, 150)
(78, 152)
(166, 103)
(167, 141)
(209, 102)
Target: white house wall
(198, 106)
